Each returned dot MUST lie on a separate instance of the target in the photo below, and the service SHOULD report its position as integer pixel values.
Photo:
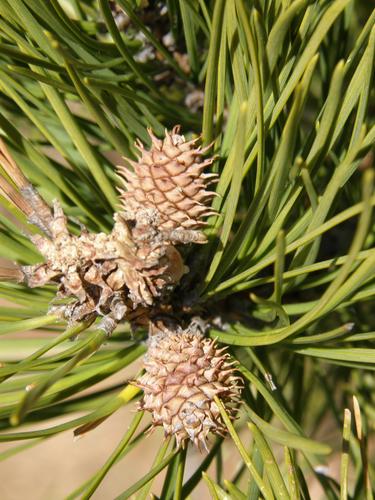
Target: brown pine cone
(168, 180)
(184, 371)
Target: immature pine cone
(184, 371)
(169, 180)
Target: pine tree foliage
(279, 93)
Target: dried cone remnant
(184, 371)
(96, 270)
(105, 274)
(169, 181)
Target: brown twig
(10, 272)
(27, 199)
(15, 197)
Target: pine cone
(169, 181)
(184, 371)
